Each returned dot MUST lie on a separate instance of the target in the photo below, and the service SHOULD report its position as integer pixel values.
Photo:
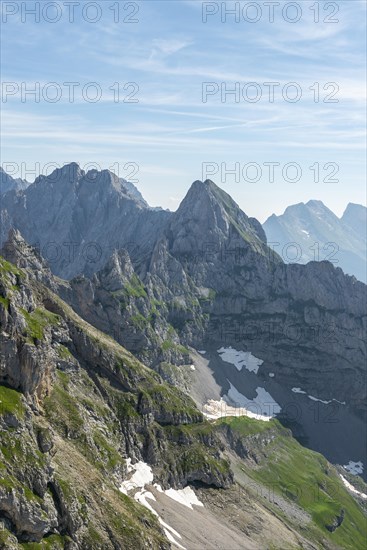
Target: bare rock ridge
(67, 388)
(206, 218)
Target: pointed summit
(133, 191)
(208, 216)
(69, 173)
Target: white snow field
(240, 359)
(263, 404)
(142, 476)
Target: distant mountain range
(304, 233)
(311, 231)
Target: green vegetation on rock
(64, 353)
(7, 267)
(11, 402)
(135, 288)
(37, 321)
(5, 302)
(62, 409)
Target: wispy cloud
(169, 54)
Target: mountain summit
(77, 219)
(209, 217)
(311, 231)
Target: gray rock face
(307, 323)
(133, 191)
(318, 234)
(29, 522)
(78, 219)
(201, 274)
(7, 183)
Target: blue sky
(170, 132)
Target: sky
(151, 96)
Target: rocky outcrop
(201, 274)
(355, 217)
(307, 323)
(336, 523)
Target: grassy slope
(305, 478)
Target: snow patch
(240, 359)
(142, 476)
(352, 489)
(325, 401)
(271, 374)
(319, 400)
(305, 232)
(185, 496)
(263, 404)
(297, 390)
(354, 468)
(170, 533)
(218, 409)
(202, 351)
(192, 367)
(170, 537)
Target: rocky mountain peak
(300, 207)
(17, 251)
(199, 191)
(133, 192)
(69, 173)
(339, 240)
(208, 216)
(353, 207)
(313, 203)
(104, 177)
(304, 212)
